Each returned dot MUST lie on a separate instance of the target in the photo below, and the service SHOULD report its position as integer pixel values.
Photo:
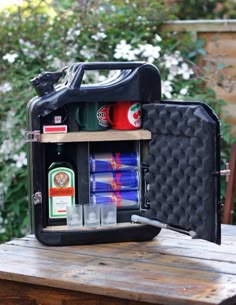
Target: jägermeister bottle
(61, 187)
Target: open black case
(178, 147)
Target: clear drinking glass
(91, 215)
(74, 215)
(108, 214)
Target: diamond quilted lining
(181, 166)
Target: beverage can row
(114, 181)
(109, 162)
(123, 199)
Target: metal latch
(32, 136)
(226, 172)
(37, 198)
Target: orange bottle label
(64, 191)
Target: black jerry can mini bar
(178, 146)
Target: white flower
(173, 71)
(148, 51)
(72, 51)
(6, 149)
(99, 36)
(101, 9)
(29, 49)
(93, 77)
(171, 60)
(72, 34)
(166, 88)
(26, 44)
(5, 87)
(20, 159)
(185, 71)
(157, 38)
(9, 122)
(3, 190)
(86, 52)
(58, 63)
(2, 230)
(140, 18)
(50, 57)
(9, 145)
(10, 57)
(184, 91)
(46, 35)
(101, 78)
(124, 51)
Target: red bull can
(109, 162)
(123, 200)
(114, 181)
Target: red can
(125, 115)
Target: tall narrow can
(123, 200)
(107, 162)
(114, 181)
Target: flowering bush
(35, 38)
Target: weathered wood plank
(140, 281)
(162, 240)
(15, 293)
(158, 256)
(154, 251)
(200, 25)
(90, 136)
(168, 270)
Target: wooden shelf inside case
(96, 136)
(67, 228)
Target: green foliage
(36, 38)
(206, 9)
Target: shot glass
(91, 215)
(108, 214)
(74, 215)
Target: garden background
(39, 36)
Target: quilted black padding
(181, 167)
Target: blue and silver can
(114, 181)
(108, 162)
(123, 200)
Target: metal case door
(183, 164)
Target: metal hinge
(37, 198)
(32, 136)
(226, 172)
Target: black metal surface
(183, 166)
(78, 237)
(136, 82)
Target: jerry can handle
(77, 70)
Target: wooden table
(171, 269)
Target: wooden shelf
(97, 136)
(67, 228)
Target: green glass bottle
(61, 186)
